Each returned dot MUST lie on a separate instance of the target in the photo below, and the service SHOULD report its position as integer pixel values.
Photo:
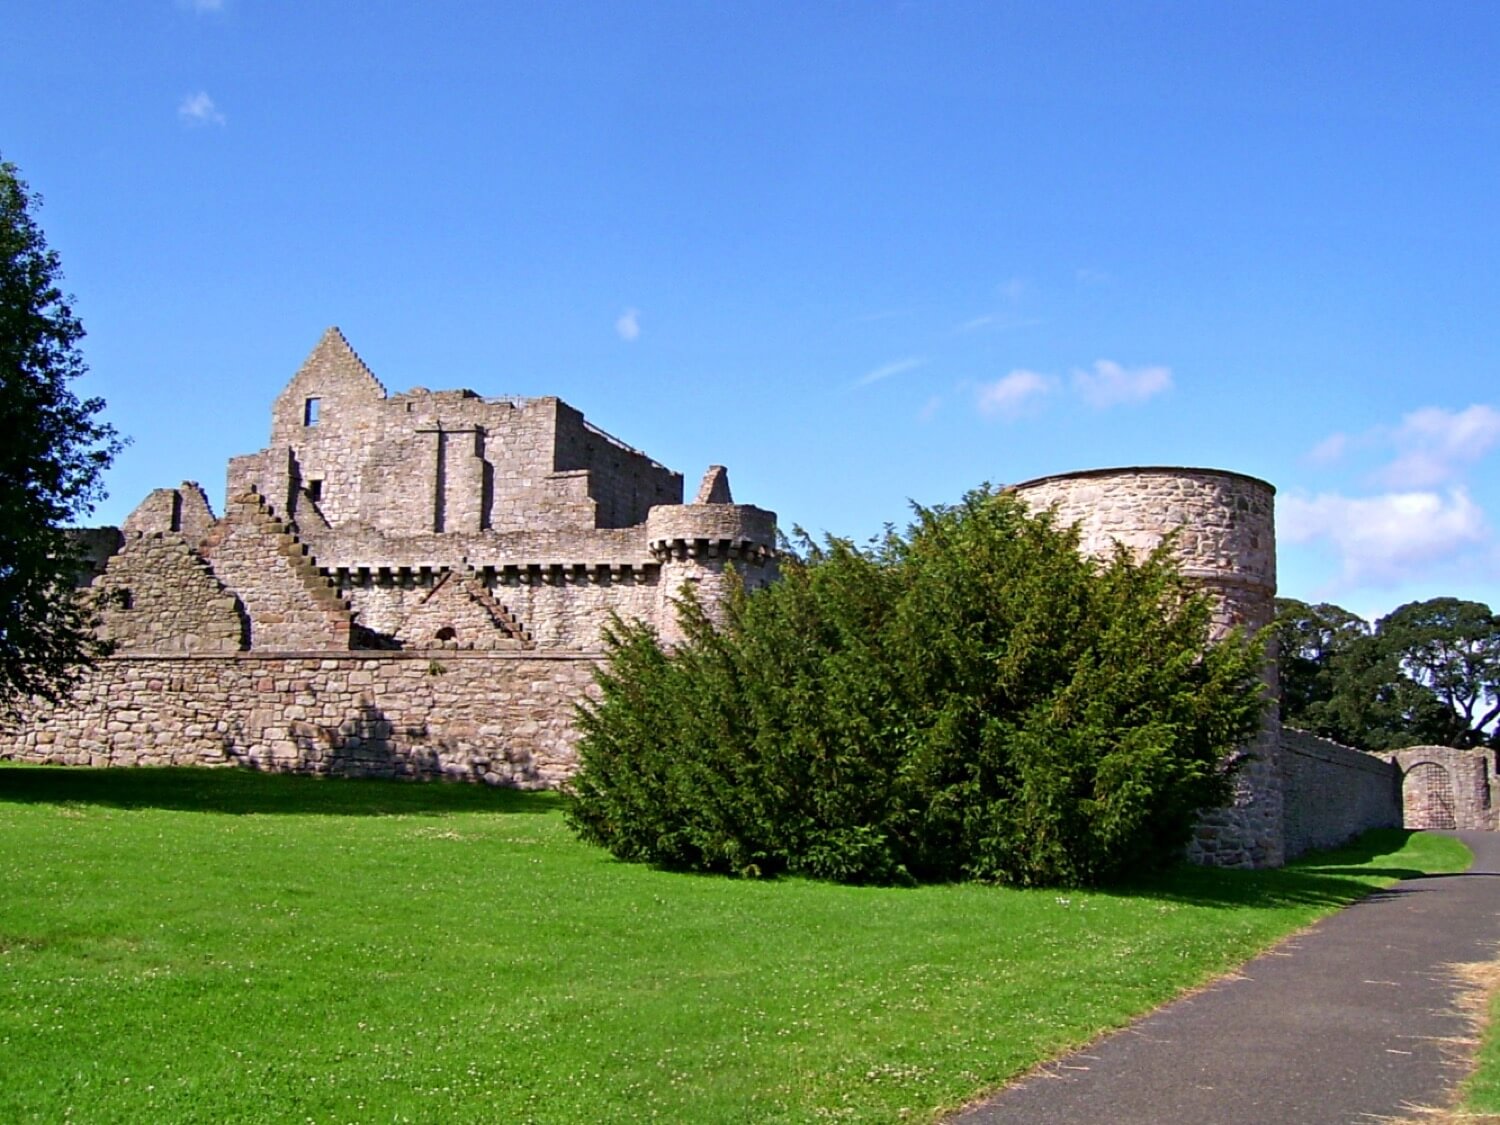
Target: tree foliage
(53, 452)
(1428, 672)
(972, 699)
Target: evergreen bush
(970, 700)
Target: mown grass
(215, 946)
(1480, 1094)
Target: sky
(863, 254)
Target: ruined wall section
(1225, 541)
(183, 510)
(290, 604)
(497, 718)
(623, 483)
(1444, 787)
(94, 547)
(1333, 793)
(345, 455)
(158, 595)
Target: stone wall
(344, 453)
(1443, 787)
(1224, 532)
(158, 595)
(494, 717)
(1332, 793)
(289, 603)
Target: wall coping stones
(1126, 470)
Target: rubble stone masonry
(493, 717)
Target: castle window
(447, 633)
(315, 489)
(310, 411)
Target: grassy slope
(221, 946)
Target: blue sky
(859, 252)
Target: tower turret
(1226, 543)
(700, 543)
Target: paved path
(1342, 1023)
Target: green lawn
(1481, 1092)
(180, 945)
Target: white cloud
(1109, 384)
(1013, 290)
(1089, 276)
(1384, 539)
(911, 363)
(628, 325)
(1434, 444)
(199, 109)
(1011, 395)
(202, 5)
(930, 408)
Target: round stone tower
(699, 544)
(1226, 542)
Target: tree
(971, 700)
(1452, 649)
(53, 451)
(1429, 672)
(1310, 638)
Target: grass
(1480, 1095)
(191, 945)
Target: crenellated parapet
(741, 532)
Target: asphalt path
(1353, 1020)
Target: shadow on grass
(238, 791)
(1325, 878)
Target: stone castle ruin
(414, 585)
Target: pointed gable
(334, 360)
(332, 383)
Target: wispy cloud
(978, 322)
(1384, 539)
(1089, 276)
(199, 109)
(628, 325)
(201, 5)
(1013, 395)
(998, 321)
(1009, 294)
(1329, 450)
(1434, 445)
(1110, 384)
(900, 366)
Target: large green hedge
(970, 700)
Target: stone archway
(1427, 797)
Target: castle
(415, 585)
